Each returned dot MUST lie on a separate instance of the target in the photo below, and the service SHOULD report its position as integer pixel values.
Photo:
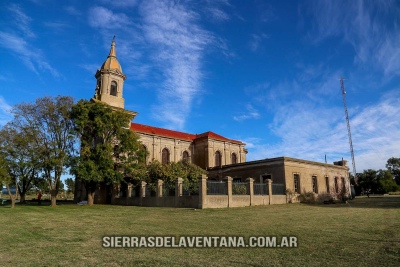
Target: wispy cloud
(72, 11)
(30, 56)
(251, 113)
(310, 131)
(5, 114)
(17, 41)
(365, 26)
(256, 41)
(179, 41)
(105, 18)
(21, 20)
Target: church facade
(205, 150)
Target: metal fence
(239, 188)
(151, 190)
(135, 191)
(260, 189)
(168, 189)
(190, 188)
(216, 188)
(278, 189)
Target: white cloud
(309, 132)
(370, 27)
(256, 41)
(251, 113)
(72, 11)
(105, 18)
(29, 55)
(21, 20)
(5, 115)
(179, 41)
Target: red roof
(141, 128)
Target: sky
(263, 72)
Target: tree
(21, 158)
(70, 183)
(7, 180)
(109, 151)
(48, 123)
(367, 181)
(189, 172)
(387, 183)
(393, 165)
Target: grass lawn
(365, 232)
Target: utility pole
(348, 130)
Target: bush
(308, 197)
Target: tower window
(165, 156)
(113, 89)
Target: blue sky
(264, 72)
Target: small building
(299, 176)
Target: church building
(205, 150)
(217, 154)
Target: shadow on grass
(31, 203)
(380, 202)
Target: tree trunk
(22, 197)
(90, 198)
(12, 197)
(12, 202)
(54, 193)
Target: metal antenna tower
(348, 130)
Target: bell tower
(110, 81)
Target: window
(165, 156)
(217, 159)
(314, 184)
(296, 181)
(185, 156)
(113, 89)
(343, 185)
(336, 185)
(233, 158)
(327, 184)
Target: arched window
(217, 159)
(233, 158)
(165, 156)
(113, 89)
(185, 156)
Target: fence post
(228, 180)
(142, 191)
(251, 189)
(178, 190)
(159, 192)
(269, 181)
(128, 193)
(203, 191)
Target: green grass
(364, 233)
